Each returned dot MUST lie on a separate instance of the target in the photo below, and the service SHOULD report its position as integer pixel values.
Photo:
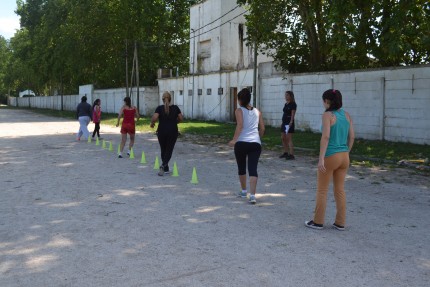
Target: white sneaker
(252, 199)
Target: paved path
(72, 214)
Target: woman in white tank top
(247, 143)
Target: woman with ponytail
(336, 143)
(168, 117)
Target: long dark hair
(127, 101)
(244, 97)
(291, 94)
(96, 102)
(335, 99)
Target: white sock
(244, 191)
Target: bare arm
(351, 133)
(154, 119)
(180, 118)
(324, 140)
(293, 113)
(239, 126)
(261, 127)
(120, 114)
(137, 114)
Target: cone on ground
(194, 179)
(103, 144)
(119, 149)
(110, 146)
(143, 159)
(97, 141)
(131, 153)
(156, 164)
(89, 139)
(175, 170)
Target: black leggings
(253, 151)
(96, 129)
(167, 142)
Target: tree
(316, 35)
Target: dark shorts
(128, 129)
(290, 130)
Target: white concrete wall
(390, 104)
(112, 100)
(212, 107)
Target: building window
(200, 92)
(209, 92)
(181, 92)
(190, 93)
(220, 91)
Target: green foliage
(316, 35)
(66, 43)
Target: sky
(9, 21)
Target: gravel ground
(73, 214)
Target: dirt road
(73, 214)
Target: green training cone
(97, 141)
(131, 153)
(156, 164)
(119, 148)
(194, 179)
(175, 170)
(143, 159)
(89, 139)
(103, 144)
(110, 146)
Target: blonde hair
(167, 98)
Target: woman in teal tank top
(336, 141)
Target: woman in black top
(288, 121)
(168, 116)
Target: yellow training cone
(131, 153)
(119, 148)
(97, 141)
(143, 160)
(103, 144)
(194, 179)
(89, 139)
(156, 164)
(175, 170)
(110, 146)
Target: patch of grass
(365, 152)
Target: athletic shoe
(339, 227)
(78, 139)
(166, 169)
(290, 157)
(128, 153)
(161, 172)
(312, 224)
(252, 199)
(284, 155)
(242, 194)
(119, 156)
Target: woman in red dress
(128, 126)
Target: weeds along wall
(111, 99)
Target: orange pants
(336, 166)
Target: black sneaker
(284, 155)
(119, 156)
(339, 227)
(166, 169)
(290, 157)
(312, 224)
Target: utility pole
(254, 84)
(126, 67)
(137, 74)
(194, 53)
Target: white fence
(111, 100)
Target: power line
(218, 18)
(218, 26)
